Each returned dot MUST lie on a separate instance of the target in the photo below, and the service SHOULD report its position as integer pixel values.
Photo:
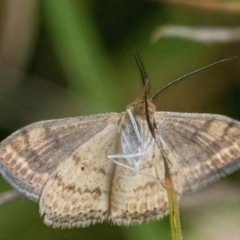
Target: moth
(110, 166)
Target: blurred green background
(71, 58)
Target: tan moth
(110, 166)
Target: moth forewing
(206, 146)
(78, 193)
(32, 154)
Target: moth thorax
(140, 108)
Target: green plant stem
(175, 222)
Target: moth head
(140, 105)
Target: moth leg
(130, 158)
(129, 155)
(140, 152)
(135, 170)
(134, 124)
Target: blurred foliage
(68, 58)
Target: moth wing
(139, 196)
(79, 192)
(30, 155)
(203, 147)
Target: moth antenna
(146, 91)
(190, 74)
(141, 68)
(144, 96)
